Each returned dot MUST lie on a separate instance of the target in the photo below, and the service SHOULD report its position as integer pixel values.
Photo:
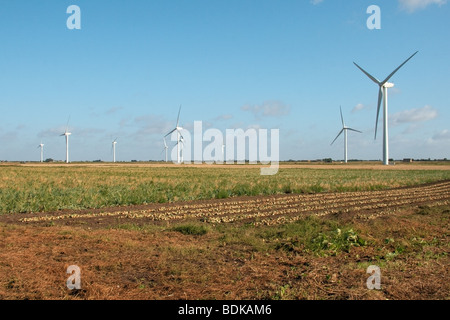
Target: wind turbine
(344, 130)
(67, 134)
(179, 138)
(383, 94)
(165, 147)
(114, 149)
(223, 152)
(41, 145)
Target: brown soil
(158, 263)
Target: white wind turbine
(114, 149)
(165, 147)
(382, 94)
(223, 152)
(344, 130)
(179, 138)
(67, 134)
(41, 145)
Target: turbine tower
(382, 94)
(344, 130)
(223, 152)
(41, 145)
(165, 147)
(114, 149)
(179, 138)
(67, 134)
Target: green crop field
(48, 188)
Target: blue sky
(284, 65)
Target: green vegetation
(49, 188)
(191, 229)
(321, 237)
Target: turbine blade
(170, 132)
(353, 130)
(178, 118)
(368, 74)
(337, 136)
(67, 125)
(393, 72)
(380, 96)
(342, 118)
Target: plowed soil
(260, 210)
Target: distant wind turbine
(67, 134)
(41, 145)
(165, 147)
(382, 94)
(114, 149)
(223, 152)
(179, 138)
(344, 130)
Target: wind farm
(197, 162)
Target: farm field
(207, 232)
(42, 188)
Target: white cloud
(152, 124)
(414, 115)
(224, 117)
(113, 110)
(268, 109)
(9, 136)
(413, 5)
(359, 107)
(316, 2)
(443, 135)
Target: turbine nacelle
(388, 85)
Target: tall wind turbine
(41, 145)
(179, 138)
(67, 134)
(114, 149)
(382, 94)
(344, 130)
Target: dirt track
(266, 210)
